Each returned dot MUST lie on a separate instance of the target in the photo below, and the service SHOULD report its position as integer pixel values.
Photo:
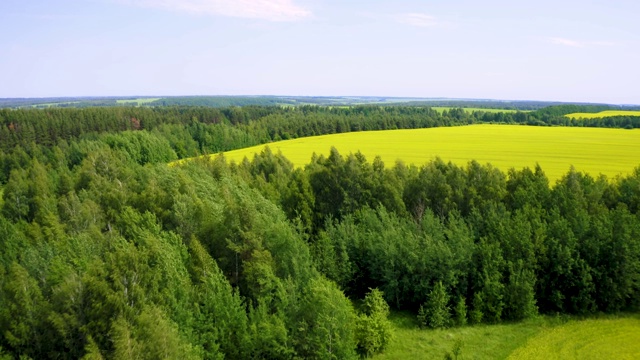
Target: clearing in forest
(592, 150)
(440, 109)
(137, 102)
(587, 339)
(543, 338)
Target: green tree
(124, 344)
(373, 329)
(159, 337)
(220, 317)
(435, 313)
(22, 315)
(460, 312)
(16, 196)
(520, 302)
(476, 315)
(298, 200)
(326, 326)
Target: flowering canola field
(602, 114)
(592, 150)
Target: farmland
(592, 150)
(603, 114)
(545, 337)
(137, 102)
(469, 110)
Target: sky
(561, 50)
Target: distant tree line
(270, 100)
(193, 131)
(262, 124)
(559, 110)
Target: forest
(222, 101)
(107, 252)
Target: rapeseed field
(592, 150)
(603, 114)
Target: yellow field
(592, 150)
(588, 339)
(602, 114)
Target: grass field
(541, 338)
(440, 109)
(603, 114)
(138, 102)
(477, 342)
(54, 104)
(586, 339)
(592, 150)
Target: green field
(587, 339)
(592, 150)
(138, 102)
(602, 114)
(54, 104)
(477, 342)
(440, 109)
(541, 338)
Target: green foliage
(15, 196)
(456, 351)
(331, 253)
(159, 337)
(220, 317)
(12, 242)
(568, 109)
(22, 316)
(520, 294)
(268, 335)
(373, 329)
(460, 312)
(435, 312)
(142, 147)
(326, 323)
(476, 315)
(104, 257)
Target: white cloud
(417, 19)
(272, 10)
(566, 42)
(604, 43)
(579, 44)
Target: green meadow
(54, 104)
(614, 338)
(441, 109)
(545, 337)
(138, 102)
(592, 150)
(603, 114)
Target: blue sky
(537, 50)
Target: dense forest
(268, 100)
(197, 130)
(107, 252)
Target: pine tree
(460, 312)
(435, 312)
